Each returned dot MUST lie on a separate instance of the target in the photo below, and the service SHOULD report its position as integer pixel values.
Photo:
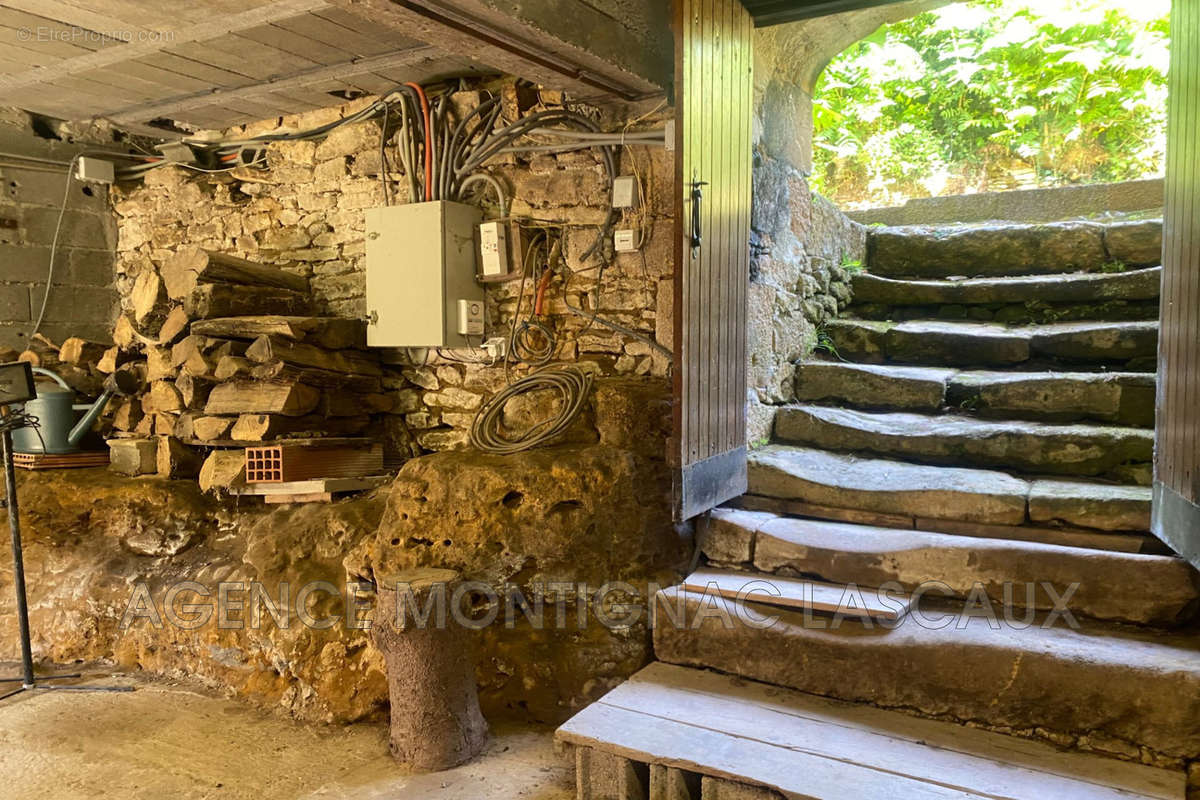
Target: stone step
(1126, 398)
(1122, 587)
(1105, 686)
(674, 733)
(980, 344)
(1080, 288)
(955, 440)
(789, 592)
(1006, 249)
(919, 491)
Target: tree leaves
(990, 94)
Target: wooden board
(330, 332)
(313, 497)
(36, 461)
(810, 747)
(776, 590)
(714, 95)
(318, 486)
(1176, 510)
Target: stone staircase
(951, 522)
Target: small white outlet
(625, 241)
(470, 317)
(496, 347)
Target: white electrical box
(493, 248)
(421, 266)
(625, 241)
(94, 170)
(625, 192)
(470, 317)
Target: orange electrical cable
(428, 133)
(543, 285)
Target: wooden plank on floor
(812, 747)
(776, 590)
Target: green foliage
(852, 266)
(994, 94)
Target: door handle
(697, 202)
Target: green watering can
(55, 409)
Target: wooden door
(1177, 459)
(714, 93)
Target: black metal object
(704, 485)
(29, 680)
(697, 235)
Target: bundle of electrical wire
(572, 386)
(16, 419)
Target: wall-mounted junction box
(421, 261)
(625, 192)
(493, 247)
(94, 170)
(625, 241)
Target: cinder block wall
(82, 298)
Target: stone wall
(305, 213)
(801, 243)
(82, 300)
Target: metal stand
(29, 681)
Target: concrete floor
(171, 740)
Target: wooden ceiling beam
(230, 23)
(507, 44)
(345, 71)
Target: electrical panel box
(421, 264)
(493, 246)
(625, 241)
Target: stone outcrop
(96, 543)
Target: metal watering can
(55, 409)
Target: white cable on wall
(54, 245)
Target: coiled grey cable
(572, 385)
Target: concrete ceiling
(218, 63)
